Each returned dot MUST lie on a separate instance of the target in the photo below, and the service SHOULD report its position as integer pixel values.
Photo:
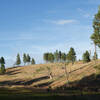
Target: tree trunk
(95, 53)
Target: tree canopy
(71, 56)
(95, 37)
(28, 58)
(2, 60)
(57, 56)
(24, 58)
(18, 60)
(33, 61)
(2, 68)
(86, 57)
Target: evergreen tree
(24, 58)
(86, 57)
(71, 56)
(28, 58)
(96, 26)
(18, 60)
(2, 62)
(33, 61)
(95, 37)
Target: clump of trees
(86, 57)
(2, 65)
(49, 57)
(54, 57)
(59, 56)
(26, 59)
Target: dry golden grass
(36, 74)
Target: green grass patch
(40, 69)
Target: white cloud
(63, 22)
(85, 14)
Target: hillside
(37, 75)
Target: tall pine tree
(96, 34)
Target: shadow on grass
(13, 72)
(73, 92)
(89, 84)
(14, 82)
(35, 80)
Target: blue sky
(38, 26)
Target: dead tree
(67, 73)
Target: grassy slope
(37, 75)
(21, 82)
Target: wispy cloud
(62, 21)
